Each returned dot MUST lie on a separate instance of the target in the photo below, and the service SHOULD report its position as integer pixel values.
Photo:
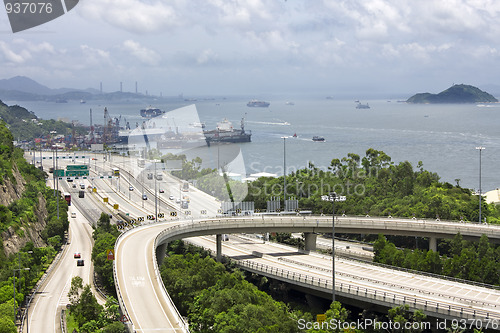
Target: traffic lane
(146, 304)
(369, 276)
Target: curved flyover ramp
(146, 303)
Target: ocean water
(443, 137)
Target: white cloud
(13, 56)
(132, 15)
(144, 54)
(206, 56)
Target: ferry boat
(318, 138)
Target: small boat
(289, 103)
(318, 138)
(294, 135)
(82, 101)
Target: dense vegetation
(458, 93)
(87, 315)
(376, 186)
(105, 235)
(474, 261)
(37, 259)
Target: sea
(443, 136)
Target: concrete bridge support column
(219, 247)
(160, 253)
(310, 241)
(433, 244)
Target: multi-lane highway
(148, 306)
(51, 297)
(397, 285)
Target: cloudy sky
(204, 47)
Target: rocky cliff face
(13, 240)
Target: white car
(73, 215)
(171, 197)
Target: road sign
(203, 212)
(187, 212)
(160, 215)
(115, 206)
(110, 254)
(173, 213)
(124, 319)
(133, 221)
(105, 199)
(151, 217)
(333, 198)
(140, 219)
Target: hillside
(458, 93)
(25, 125)
(26, 203)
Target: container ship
(151, 112)
(257, 104)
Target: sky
(261, 47)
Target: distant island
(458, 93)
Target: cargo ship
(257, 104)
(226, 133)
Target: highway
(357, 274)
(51, 297)
(149, 308)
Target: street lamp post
(57, 181)
(284, 172)
(156, 194)
(333, 197)
(14, 280)
(480, 148)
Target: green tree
(116, 327)
(402, 315)
(87, 309)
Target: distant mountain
(22, 88)
(24, 84)
(458, 93)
